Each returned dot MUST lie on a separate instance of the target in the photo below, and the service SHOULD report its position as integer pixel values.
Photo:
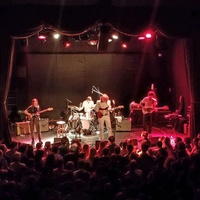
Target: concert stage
(93, 138)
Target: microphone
(68, 100)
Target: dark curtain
(192, 54)
(6, 63)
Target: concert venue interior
(157, 48)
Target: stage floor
(120, 136)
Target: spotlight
(65, 41)
(141, 38)
(124, 45)
(125, 41)
(42, 37)
(56, 35)
(92, 42)
(115, 36)
(93, 38)
(148, 35)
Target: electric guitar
(38, 113)
(101, 113)
(147, 109)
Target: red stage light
(42, 37)
(124, 46)
(148, 35)
(67, 44)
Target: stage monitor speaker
(57, 141)
(125, 125)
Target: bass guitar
(101, 113)
(146, 109)
(38, 113)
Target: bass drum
(85, 127)
(85, 124)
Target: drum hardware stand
(76, 130)
(62, 130)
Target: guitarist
(32, 113)
(148, 105)
(102, 108)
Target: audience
(77, 171)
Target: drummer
(87, 106)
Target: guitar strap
(103, 108)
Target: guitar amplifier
(23, 128)
(124, 125)
(44, 125)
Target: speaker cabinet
(125, 125)
(23, 128)
(44, 124)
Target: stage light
(124, 45)
(115, 36)
(92, 42)
(65, 41)
(67, 44)
(148, 35)
(93, 38)
(141, 38)
(42, 37)
(125, 41)
(56, 35)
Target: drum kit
(78, 123)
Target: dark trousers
(147, 122)
(35, 122)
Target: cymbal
(73, 107)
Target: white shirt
(87, 106)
